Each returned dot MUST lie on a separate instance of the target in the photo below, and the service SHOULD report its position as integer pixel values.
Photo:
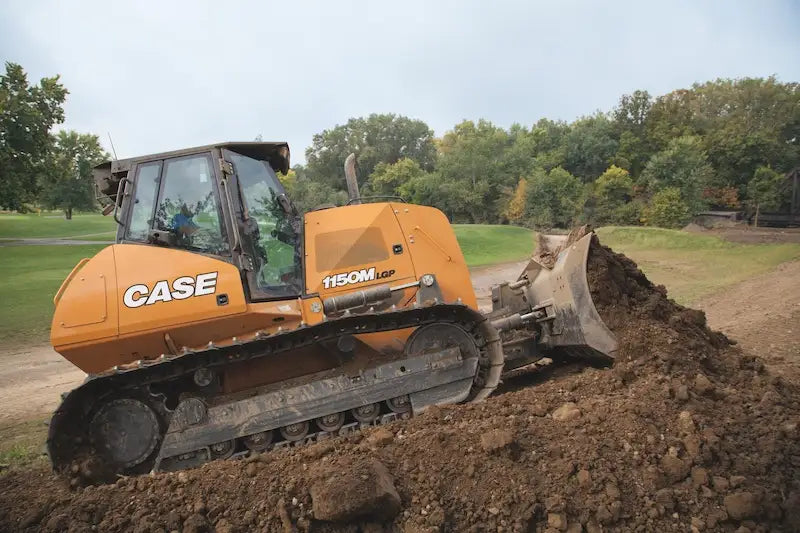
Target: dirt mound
(684, 433)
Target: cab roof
(108, 173)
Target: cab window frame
(222, 211)
(242, 213)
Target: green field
(693, 266)
(31, 275)
(483, 244)
(53, 225)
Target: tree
(375, 139)
(515, 211)
(27, 113)
(590, 146)
(470, 171)
(682, 165)
(765, 191)
(667, 209)
(613, 190)
(67, 183)
(553, 198)
(387, 179)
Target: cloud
(167, 75)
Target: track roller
(258, 442)
(366, 413)
(330, 423)
(295, 432)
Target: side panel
(434, 250)
(353, 247)
(86, 307)
(162, 288)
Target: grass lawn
(53, 225)
(693, 266)
(484, 244)
(31, 275)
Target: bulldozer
(222, 322)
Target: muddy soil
(684, 433)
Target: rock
(496, 439)
(378, 438)
(702, 385)
(365, 489)
(223, 526)
(183, 477)
(682, 393)
(692, 445)
(666, 498)
(584, 478)
(698, 523)
(612, 491)
(173, 520)
(493, 511)
(742, 505)
(603, 515)
(769, 399)
(568, 411)
(720, 483)
(574, 527)
(196, 523)
(557, 521)
(699, 476)
(686, 422)
(251, 469)
(675, 468)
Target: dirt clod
(364, 490)
(496, 439)
(742, 505)
(568, 411)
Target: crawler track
(70, 442)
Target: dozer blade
(559, 291)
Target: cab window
(176, 205)
(144, 201)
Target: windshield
(274, 238)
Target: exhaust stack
(352, 181)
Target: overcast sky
(161, 76)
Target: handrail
(119, 198)
(360, 198)
(71, 275)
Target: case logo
(163, 291)
(355, 276)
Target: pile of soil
(683, 433)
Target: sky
(166, 75)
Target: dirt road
(31, 382)
(763, 314)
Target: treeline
(650, 160)
(39, 168)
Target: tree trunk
(68, 212)
(757, 206)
